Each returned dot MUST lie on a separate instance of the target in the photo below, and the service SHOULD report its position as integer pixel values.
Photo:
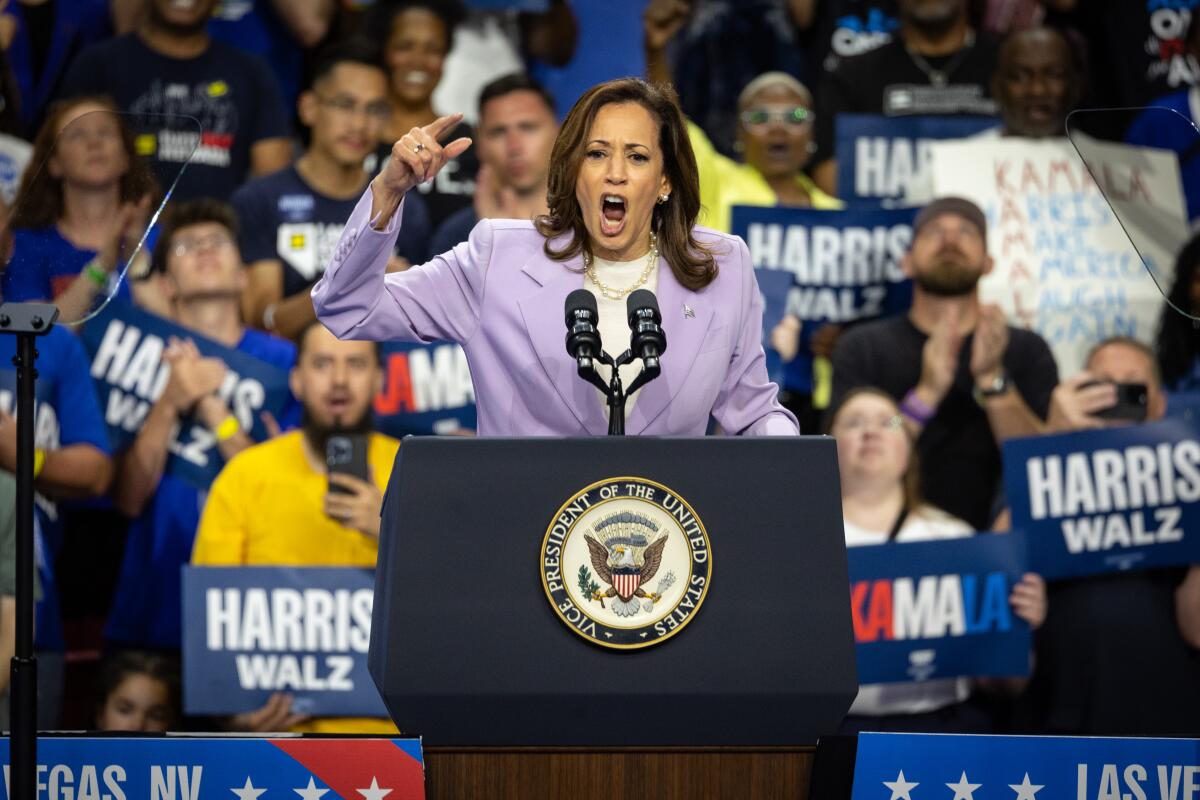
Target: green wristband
(97, 273)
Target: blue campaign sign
(774, 287)
(251, 631)
(427, 389)
(1095, 502)
(126, 345)
(913, 766)
(938, 609)
(189, 768)
(880, 157)
(844, 266)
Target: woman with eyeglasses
(79, 212)
(775, 140)
(881, 503)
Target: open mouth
(779, 150)
(612, 217)
(338, 404)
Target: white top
(485, 45)
(918, 697)
(614, 321)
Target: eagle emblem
(626, 551)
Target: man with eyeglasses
(964, 379)
(200, 271)
(291, 220)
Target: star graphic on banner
(964, 790)
(1025, 790)
(901, 788)
(373, 793)
(248, 792)
(310, 792)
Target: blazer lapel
(685, 334)
(545, 323)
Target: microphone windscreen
(642, 298)
(580, 300)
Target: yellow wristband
(39, 461)
(227, 429)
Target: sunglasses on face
(794, 116)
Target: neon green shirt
(725, 183)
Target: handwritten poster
(1064, 265)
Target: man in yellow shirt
(271, 504)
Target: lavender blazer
(501, 298)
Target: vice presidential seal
(626, 563)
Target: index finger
(442, 124)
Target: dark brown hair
(39, 200)
(691, 263)
(912, 475)
(124, 663)
(190, 212)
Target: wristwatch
(993, 388)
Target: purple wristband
(915, 409)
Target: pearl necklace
(589, 269)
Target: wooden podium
(745, 773)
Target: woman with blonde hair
(881, 502)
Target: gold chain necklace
(589, 269)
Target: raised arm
(357, 299)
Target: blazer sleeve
(437, 300)
(748, 403)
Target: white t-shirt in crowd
(879, 699)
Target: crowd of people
(263, 122)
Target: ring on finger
(418, 147)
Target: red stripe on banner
(349, 765)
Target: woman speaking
(623, 198)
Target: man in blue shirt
(202, 276)
(291, 220)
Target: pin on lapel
(687, 311)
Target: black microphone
(647, 340)
(583, 340)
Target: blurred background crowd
(283, 110)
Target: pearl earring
(662, 198)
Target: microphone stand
(27, 321)
(614, 390)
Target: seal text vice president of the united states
(623, 198)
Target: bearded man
(964, 378)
